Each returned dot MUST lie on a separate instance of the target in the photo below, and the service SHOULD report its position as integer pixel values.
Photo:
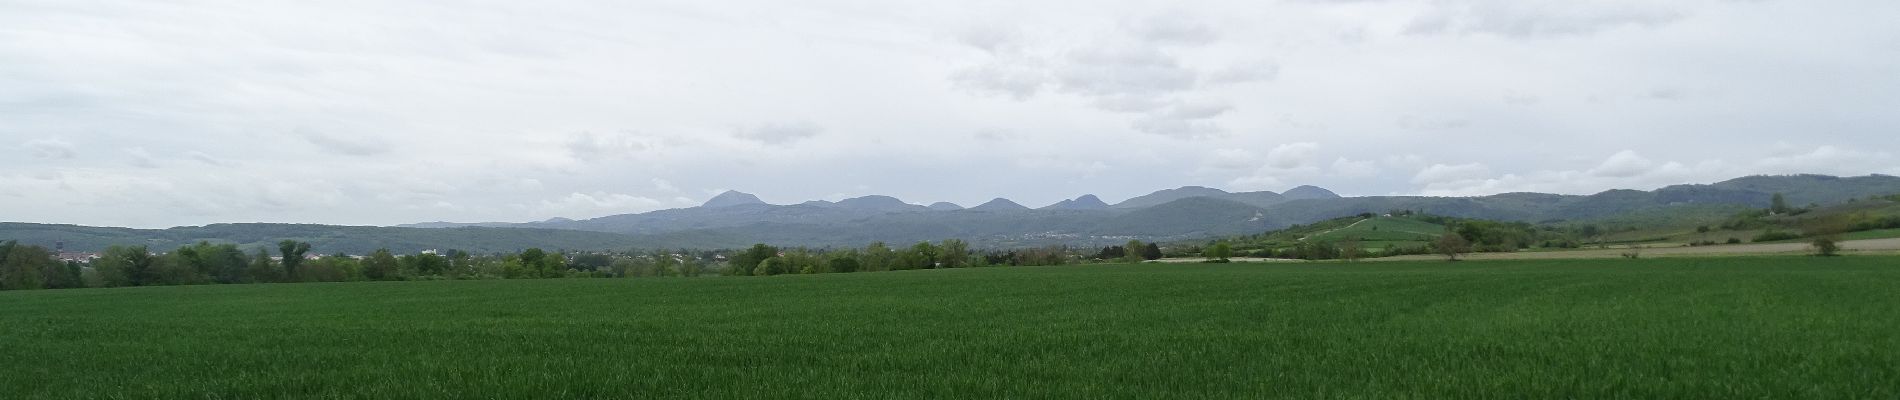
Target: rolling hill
(736, 219)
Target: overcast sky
(159, 113)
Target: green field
(1784, 327)
(1383, 229)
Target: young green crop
(1790, 327)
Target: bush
(1734, 241)
(1826, 247)
(1771, 236)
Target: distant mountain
(736, 219)
(944, 206)
(1309, 192)
(1167, 195)
(1086, 202)
(999, 204)
(732, 198)
(1256, 199)
(879, 203)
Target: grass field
(1383, 229)
(1768, 327)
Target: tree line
(35, 267)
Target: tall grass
(1793, 327)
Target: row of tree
(765, 260)
(34, 267)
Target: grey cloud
(138, 157)
(204, 158)
(588, 145)
(1174, 29)
(1015, 81)
(1420, 123)
(1664, 94)
(1124, 71)
(779, 133)
(350, 146)
(52, 149)
(1252, 72)
(1539, 18)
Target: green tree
(23, 267)
(665, 265)
(427, 264)
(461, 265)
(126, 266)
(1451, 244)
(1778, 204)
(263, 269)
(1151, 252)
(220, 263)
(844, 265)
(1220, 252)
(292, 251)
(876, 257)
(381, 266)
(743, 263)
(920, 255)
(1132, 252)
(954, 253)
(1826, 247)
(1350, 249)
(772, 266)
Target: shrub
(1826, 247)
(1772, 235)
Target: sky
(167, 113)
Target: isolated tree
(1778, 204)
(1131, 252)
(1220, 252)
(1451, 245)
(1826, 247)
(292, 251)
(1827, 233)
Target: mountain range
(737, 219)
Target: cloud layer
(192, 112)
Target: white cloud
(1442, 173)
(184, 116)
(1347, 168)
(779, 134)
(580, 205)
(1542, 18)
(340, 144)
(1292, 155)
(1624, 164)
